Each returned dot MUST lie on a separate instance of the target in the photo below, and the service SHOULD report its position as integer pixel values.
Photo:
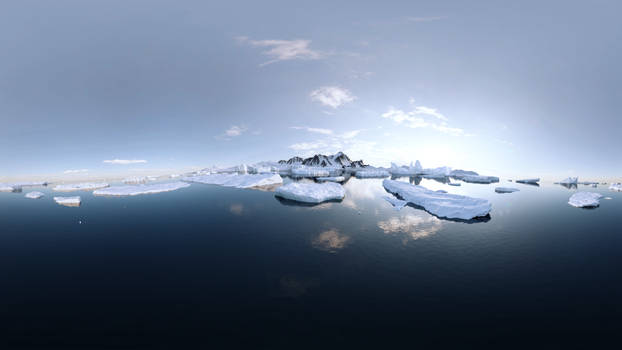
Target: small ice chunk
(395, 202)
(140, 189)
(311, 192)
(173, 176)
(85, 186)
(585, 199)
(9, 188)
(332, 178)
(506, 189)
(235, 180)
(480, 179)
(616, 187)
(34, 195)
(529, 181)
(68, 201)
(569, 181)
(372, 172)
(444, 205)
(459, 173)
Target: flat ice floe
(311, 192)
(480, 179)
(585, 199)
(444, 205)
(310, 172)
(68, 201)
(134, 180)
(395, 202)
(140, 189)
(17, 186)
(235, 180)
(616, 187)
(331, 178)
(34, 195)
(528, 181)
(85, 186)
(506, 189)
(372, 172)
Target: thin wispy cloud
(314, 130)
(75, 171)
(332, 96)
(418, 117)
(284, 50)
(235, 130)
(124, 161)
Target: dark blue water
(208, 265)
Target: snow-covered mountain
(339, 159)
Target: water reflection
(294, 287)
(236, 209)
(414, 226)
(570, 186)
(330, 241)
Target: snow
(68, 201)
(332, 178)
(311, 192)
(310, 171)
(529, 181)
(480, 179)
(616, 187)
(372, 172)
(395, 202)
(443, 205)
(34, 195)
(506, 189)
(569, 180)
(235, 180)
(85, 186)
(585, 199)
(140, 189)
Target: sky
(524, 88)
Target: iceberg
(140, 189)
(10, 188)
(459, 174)
(444, 205)
(68, 201)
(311, 192)
(569, 181)
(437, 172)
(480, 179)
(404, 170)
(135, 180)
(17, 186)
(34, 195)
(174, 176)
(310, 172)
(235, 180)
(529, 181)
(395, 202)
(616, 187)
(372, 172)
(585, 199)
(506, 189)
(85, 186)
(331, 178)
(454, 184)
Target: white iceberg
(331, 178)
(529, 181)
(85, 186)
(34, 195)
(135, 180)
(311, 192)
(395, 202)
(437, 172)
(506, 189)
(310, 172)
(140, 189)
(404, 170)
(569, 181)
(480, 179)
(370, 172)
(459, 174)
(585, 199)
(17, 186)
(235, 180)
(68, 201)
(445, 205)
(174, 176)
(616, 187)
(9, 188)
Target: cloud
(235, 130)
(332, 96)
(75, 171)
(416, 118)
(426, 19)
(350, 134)
(306, 146)
(315, 130)
(125, 161)
(415, 227)
(330, 241)
(284, 50)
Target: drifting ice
(528, 181)
(569, 181)
(506, 189)
(135, 180)
(86, 186)
(480, 179)
(616, 187)
(34, 195)
(68, 201)
(368, 173)
(395, 202)
(310, 172)
(332, 178)
(140, 189)
(585, 199)
(239, 181)
(443, 205)
(410, 170)
(311, 192)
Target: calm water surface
(208, 265)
